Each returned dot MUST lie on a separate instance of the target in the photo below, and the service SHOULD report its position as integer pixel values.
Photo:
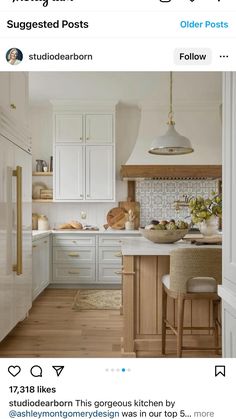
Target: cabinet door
(41, 265)
(4, 89)
(36, 268)
(99, 173)
(19, 96)
(7, 321)
(69, 128)
(69, 166)
(99, 129)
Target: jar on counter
(35, 221)
(43, 223)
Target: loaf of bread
(65, 226)
(76, 225)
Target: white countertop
(143, 247)
(41, 233)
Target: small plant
(202, 209)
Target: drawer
(73, 255)
(75, 240)
(110, 255)
(109, 274)
(66, 274)
(109, 241)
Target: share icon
(58, 369)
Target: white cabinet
(228, 289)
(99, 173)
(74, 259)
(41, 265)
(84, 155)
(99, 129)
(15, 248)
(69, 170)
(69, 128)
(14, 95)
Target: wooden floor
(53, 329)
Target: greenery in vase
(202, 209)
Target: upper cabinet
(14, 95)
(84, 153)
(69, 128)
(14, 104)
(98, 129)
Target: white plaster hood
(199, 122)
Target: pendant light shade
(171, 143)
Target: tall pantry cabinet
(228, 289)
(84, 150)
(15, 202)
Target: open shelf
(42, 173)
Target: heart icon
(14, 370)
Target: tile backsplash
(157, 197)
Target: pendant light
(171, 143)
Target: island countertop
(139, 246)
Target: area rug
(97, 300)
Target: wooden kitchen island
(144, 264)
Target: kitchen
(90, 133)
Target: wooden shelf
(42, 200)
(42, 173)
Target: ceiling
(127, 87)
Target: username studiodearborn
(57, 24)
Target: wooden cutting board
(116, 218)
(135, 207)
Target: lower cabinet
(87, 258)
(229, 331)
(74, 259)
(41, 265)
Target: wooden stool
(194, 275)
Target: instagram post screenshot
(117, 209)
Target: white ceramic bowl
(163, 236)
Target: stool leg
(215, 324)
(164, 315)
(180, 324)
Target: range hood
(201, 124)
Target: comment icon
(36, 371)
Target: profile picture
(14, 56)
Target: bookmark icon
(58, 369)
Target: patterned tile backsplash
(157, 197)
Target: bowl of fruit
(165, 231)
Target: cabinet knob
(34, 246)
(88, 195)
(81, 138)
(87, 138)
(12, 106)
(81, 195)
(45, 241)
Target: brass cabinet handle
(34, 246)
(73, 272)
(118, 254)
(74, 241)
(18, 266)
(12, 106)
(73, 255)
(45, 241)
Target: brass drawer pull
(12, 106)
(73, 255)
(118, 255)
(45, 241)
(73, 272)
(34, 246)
(74, 241)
